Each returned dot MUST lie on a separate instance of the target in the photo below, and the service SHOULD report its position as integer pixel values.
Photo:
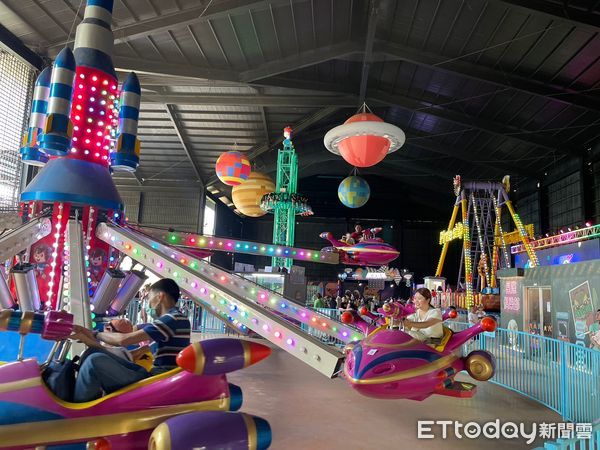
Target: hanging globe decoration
(233, 168)
(354, 192)
(247, 195)
(364, 139)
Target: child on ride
(103, 372)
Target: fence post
(563, 380)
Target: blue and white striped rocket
(126, 157)
(30, 152)
(58, 130)
(94, 40)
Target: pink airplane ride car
(368, 252)
(390, 364)
(188, 407)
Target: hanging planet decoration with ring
(247, 196)
(364, 139)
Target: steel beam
(479, 72)
(139, 180)
(383, 98)
(253, 100)
(263, 116)
(178, 19)
(368, 51)
(300, 60)
(153, 67)
(558, 11)
(171, 112)
(467, 156)
(13, 44)
(467, 120)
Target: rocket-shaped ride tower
(30, 152)
(81, 129)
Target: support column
(523, 233)
(79, 301)
(438, 271)
(201, 207)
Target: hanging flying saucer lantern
(364, 139)
(354, 192)
(233, 168)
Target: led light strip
(499, 221)
(236, 297)
(480, 239)
(560, 239)
(248, 247)
(24, 236)
(260, 295)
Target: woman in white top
(426, 322)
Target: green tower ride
(285, 203)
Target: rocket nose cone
(44, 78)
(186, 359)
(258, 352)
(65, 59)
(132, 84)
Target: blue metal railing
(201, 320)
(562, 376)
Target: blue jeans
(102, 371)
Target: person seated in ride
(103, 372)
(358, 233)
(367, 234)
(348, 239)
(426, 322)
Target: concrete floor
(308, 411)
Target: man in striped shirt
(104, 372)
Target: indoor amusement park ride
(391, 364)
(367, 252)
(484, 245)
(64, 270)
